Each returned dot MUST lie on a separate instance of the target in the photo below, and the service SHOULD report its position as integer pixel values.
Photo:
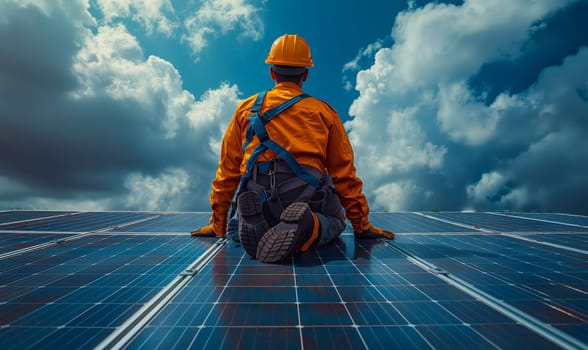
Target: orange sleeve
(341, 167)
(227, 176)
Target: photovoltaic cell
(21, 215)
(413, 223)
(564, 218)
(395, 337)
(535, 278)
(503, 223)
(97, 281)
(82, 222)
(350, 294)
(10, 241)
(175, 222)
(574, 240)
(322, 300)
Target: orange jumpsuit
(311, 131)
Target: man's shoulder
(316, 103)
(247, 103)
(322, 104)
(326, 104)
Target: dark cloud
(36, 55)
(56, 145)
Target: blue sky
(457, 105)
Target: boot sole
(254, 225)
(281, 240)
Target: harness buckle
(272, 175)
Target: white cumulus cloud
(152, 15)
(211, 114)
(425, 139)
(216, 17)
(112, 62)
(164, 192)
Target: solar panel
(448, 280)
(361, 309)
(73, 294)
(79, 222)
(173, 222)
(506, 223)
(538, 279)
(21, 215)
(569, 240)
(10, 241)
(414, 223)
(561, 218)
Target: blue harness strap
(267, 116)
(255, 111)
(257, 123)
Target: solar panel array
(138, 280)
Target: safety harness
(257, 126)
(312, 179)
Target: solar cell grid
(21, 215)
(10, 241)
(304, 303)
(504, 223)
(174, 222)
(537, 279)
(413, 223)
(96, 281)
(82, 222)
(578, 241)
(565, 218)
(512, 336)
(365, 294)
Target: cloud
(437, 143)
(457, 107)
(444, 42)
(368, 51)
(549, 173)
(355, 64)
(112, 63)
(164, 192)
(74, 11)
(88, 120)
(152, 15)
(222, 16)
(488, 186)
(212, 113)
(95, 124)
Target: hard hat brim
(288, 70)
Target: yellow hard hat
(290, 50)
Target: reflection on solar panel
(448, 280)
(13, 216)
(79, 222)
(561, 218)
(506, 223)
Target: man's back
(303, 129)
(293, 172)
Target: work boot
(298, 229)
(252, 224)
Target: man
(290, 157)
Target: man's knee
(331, 228)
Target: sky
(449, 105)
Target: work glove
(205, 231)
(375, 232)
